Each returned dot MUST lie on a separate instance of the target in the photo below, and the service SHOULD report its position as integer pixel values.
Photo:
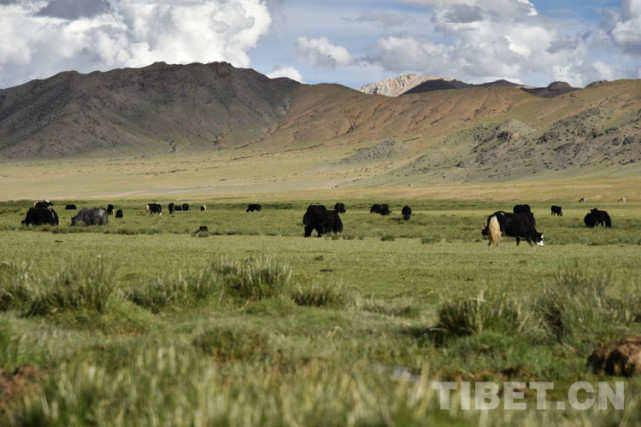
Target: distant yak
(406, 212)
(318, 218)
(41, 216)
(91, 216)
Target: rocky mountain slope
(492, 132)
(160, 107)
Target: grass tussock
(79, 285)
(231, 344)
(401, 307)
(175, 291)
(254, 278)
(251, 279)
(320, 295)
(581, 307)
(487, 312)
(577, 309)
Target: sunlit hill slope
(473, 134)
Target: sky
(349, 42)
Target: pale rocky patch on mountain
(397, 85)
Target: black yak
(519, 225)
(323, 221)
(40, 216)
(406, 212)
(596, 217)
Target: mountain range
(437, 129)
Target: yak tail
(494, 230)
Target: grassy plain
(145, 321)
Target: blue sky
(350, 42)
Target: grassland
(144, 321)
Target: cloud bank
(41, 38)
(484, 40)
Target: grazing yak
(339, 207)
(91, 216)
(171, 208)
(119, 213)
(71, 207)
(41, 216)
(323, 221)
(203, 208)
(43, 204)
(525, 208)
(406, 212)
(519, 225)
(110, 209)
(596, 217)
(154, 208)
(382, 209)
(253, 207)
(556, 210)
(521, 208)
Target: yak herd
(520, 223)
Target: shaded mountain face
(489, 132)
(158, 108)
(554, 89)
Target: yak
(596, 217)
(91, 216)
(406, 212)
(40, 216)
(519, 225)
(318, 218)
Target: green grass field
(144, 321)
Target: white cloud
(625, 30)
(285, 71)
(125, 33)
(491, 39)
(320, 52)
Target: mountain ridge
(199, 108)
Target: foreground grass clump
(320, 295)
(579, 308)
(174, 291)
(251, 279)
(502, 313)
(80, 285)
